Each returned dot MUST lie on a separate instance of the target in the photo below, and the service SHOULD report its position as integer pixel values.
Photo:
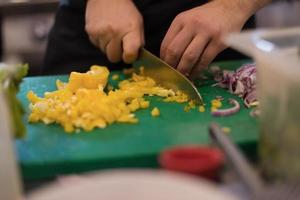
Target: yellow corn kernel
(186, 108)
(254, 104)
(134, 105)
(216, 103)
(155, 112)
(213, 109)
(144, 104)
(142, 70)
(60, 85)
(192, 104)
(201, 109)
(68, 127)
(33, 98)
(115, 77)
(33, 117)
(226, 130)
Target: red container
(202, 161)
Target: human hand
(195, 36)
(116, 27)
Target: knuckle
(107, 29)
(190, 56)
(180, 17)
(195, 22)
(99, 30)
(132, 49)
(172, 53)
(205, 60)
(90, 29)
(214, 30)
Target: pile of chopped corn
(82, 103)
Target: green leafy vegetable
(10, 79)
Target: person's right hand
(116, 27)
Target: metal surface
(256, 186)
(165, 75)
(237, 160)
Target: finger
(105, 36)
(114, 50)
(103, 44)
(142, 36)
(178, 46)
(192, 54)
(100, 37)
(94, 41)
(209, 54)
(132, 42)
(171, 33)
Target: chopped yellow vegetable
(254, 104)
(226, 130)
(201, 109)
(155, 112)
(115, 77)
(186, 108)
(33, 98)
(178, 97)
(97, 76)
(191, 105)
(82, 103)
(144, 103)
(142, 70)
(213, 109)
(216, 103)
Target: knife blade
(165, 75)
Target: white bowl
(131, 185)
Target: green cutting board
(48, 151)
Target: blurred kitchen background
(25, 24)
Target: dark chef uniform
(69, 48)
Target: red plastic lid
(198, 160)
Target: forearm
(245, 7)
(253, 5)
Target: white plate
(131, 185)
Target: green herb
(10, 79)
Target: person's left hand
(195, 36)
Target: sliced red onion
(255, 112)
(240, 88)
(242, 82)
(228, 111)
(250, 98)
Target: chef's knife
(165, 75)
